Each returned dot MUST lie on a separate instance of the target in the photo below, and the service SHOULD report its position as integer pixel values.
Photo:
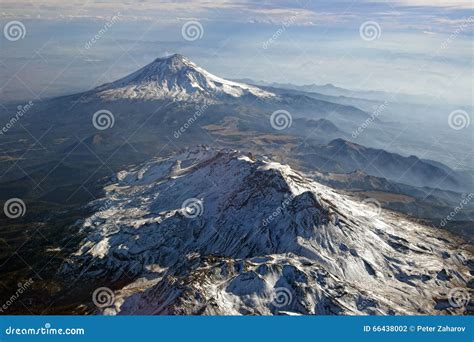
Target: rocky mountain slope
(222, 232)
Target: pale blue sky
(423, 46)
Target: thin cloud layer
(397, 14)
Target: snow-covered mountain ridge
(221, 232)
(177, 78)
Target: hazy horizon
(418, 47)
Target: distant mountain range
(347, 157)
(332, 90)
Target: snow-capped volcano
(222, 232)
(175, 77)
